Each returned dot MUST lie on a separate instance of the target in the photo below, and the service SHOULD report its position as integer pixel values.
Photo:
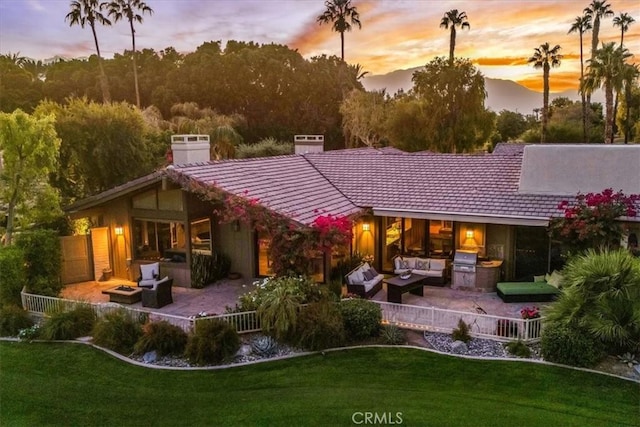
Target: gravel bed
(478, 347)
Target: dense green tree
(581, 25)
(89, 12)
(18, 88)
(607, 69)
(342, 15)
(545, 57)
(103, 145)
(29, 148)
(451, 20)
(456, 118)
(407, 124)
(510, 125)
(363, 118)
(128, 9)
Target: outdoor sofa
(364, 281)
(541, 289)
(435, 270)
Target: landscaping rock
(150, 357)
(459, 347)
(244, 351)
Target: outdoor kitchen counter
(487, 275)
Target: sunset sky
(395, 34)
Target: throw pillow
(422, 264)
(404, 264)
(368, 275)
(555, 279)
(539, 278)
(437, 264)
(373, 270)
(148, 271)
(358, 278)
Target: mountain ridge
(502, 94)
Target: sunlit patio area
(215, 298)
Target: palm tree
(89, 12)
(606, 69)
(545, 57)
(342, 14)
(623, 21)
(582, 24)
(454, 19)
(629, 75)
(120, 9)
(596, 10)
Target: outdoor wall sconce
(119, 230)
(366, 226)
(469, 234)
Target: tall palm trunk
(342, 45)
(135, 66)
(104, 84)
(452, 44)
(545, 103)
(608, 126)
(582, 97)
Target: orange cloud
(558, 81)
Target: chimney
(304, 144)
(187, 149)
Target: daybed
(545, 288)
(435, 270)
(364, 281)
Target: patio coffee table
(397, 286)
(124, 294)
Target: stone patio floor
(213, 299)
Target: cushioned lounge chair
(149, 274)
(159, 295)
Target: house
(424, 204)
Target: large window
(201, 236)
(159, 240)
(440, 239)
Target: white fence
(42, 306)
(406, 316)
(442, 320)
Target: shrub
(461, 333)
(302, 287)
(264, 346)
(507, 328)
(570, 345)
(13, 276)
(30, 333)
(278, 312)
(69, 325)
(361, 318)
(264, 148)
(12, 320)
(206, 269)
(601, 294)
(320, 326)
(393, 335)
(117, 331)
(214, 341)
(43, 259)
(518, 348)
(162, 337)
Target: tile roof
(289, 185)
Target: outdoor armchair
(159, 295)
(149, 274)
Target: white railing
(442, 320)
(244, 322)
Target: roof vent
(308, 144)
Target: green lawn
(75, 385)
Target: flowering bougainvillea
(530, 312)
(592, 220)
(294, 246)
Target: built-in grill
(465, 261)
(464, 270)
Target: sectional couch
(364, 281)
(434, 269)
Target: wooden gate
(101, 252)
(76, 263)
